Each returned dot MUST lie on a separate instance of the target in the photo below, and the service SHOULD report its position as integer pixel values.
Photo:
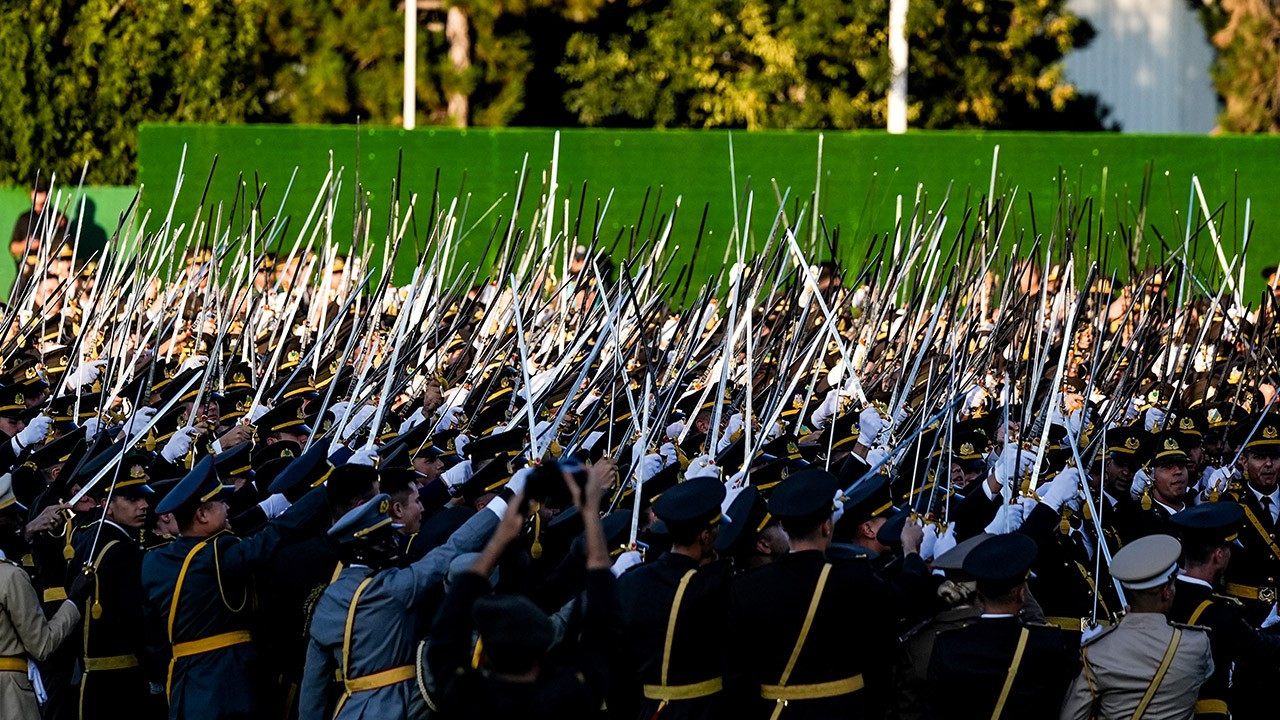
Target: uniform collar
(1194, 581)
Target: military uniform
(364, 630)
(1145, 666)
(673, 620)
(25, 635)
(198, 589)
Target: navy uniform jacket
(970, 664)
(1064, 582)
(852, 627)
(1232, 639)
(645, 596)
(384, 631)
(113, 643)
(216, 599)
(1254, 563)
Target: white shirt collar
(1194, 581)
(1261, 495)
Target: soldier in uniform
(1000, 666)
(364, 628)
(672, 609)
(1166, 495)
(110, 550)
(805, 612)
(1253, 573)
(1208, 533)
(25, 635)
(198, 590)
(1145, 666)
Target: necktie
(1266, 505)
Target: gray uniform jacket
(384, 632)
(1122, 663)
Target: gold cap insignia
(31, 372)
(1186, 424)
(1170, 444)
(19, 399)
(286, 453)
(301, 415)
(384, 506)
(239, 377)
(1215, 415)
(1269, 432)
(966, 449)
(1131, 443)
(137, 471)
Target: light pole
(410, 63)
(898, 60)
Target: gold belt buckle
(1267, 595)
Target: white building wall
(1149, 63)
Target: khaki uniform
(25, 634)
(1123, 669)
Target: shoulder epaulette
(1233, 601)
(914, 631)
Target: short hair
(397, 483)
(185, 515)
(803, 527)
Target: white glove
(650, 465)
(1154, 419)
(367, 456)
(274, 506)
(669, 454)
(193, 362)
(415, 419)
(521, 478)
(625, 562)
(1063, 489)
(357, 421)
(901, 416)
(339, 409)
(35, 432)
(674, 429)
(139, 420)
(257, 412)
(1214, 479)
(929, 542)
(1014, 463)
(458, 474)
(870, 424)
(839, 503)
(830, 404)
(86, 374)
(726, 438)
(460, 442)
(1141, 481)
(178, 445)
(1008, 518)
(702, 466)
(91, 428)
(945, 541)
(448, 419)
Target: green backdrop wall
(862, 173)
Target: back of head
(515, 634)
(348, 486)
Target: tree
(1246, 71)
(824, 63)
(78, 77)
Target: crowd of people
(246, 480)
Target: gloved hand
(838, 500)
(358, 420)
(945, 541)
(1141, 481)
(458, 474)
(191, 363)
(86, 374)
(929, 543)
(670, 455)
(178, 445)
(367, 456)
(518, 481)
(625, 562)
(1008, 518)
(274, 506)
(460, 442)
(35, 432)
(1216, 479)
(702, 466)
(830, 404)
(91, 427)
(448, 419)
(674, 429)
(726, 438)
(339, 409)
(650, 465)
(139, 420)
(870, 424)
(1154, 419)
(257, 412)
(1014, 464)
(1062, 490)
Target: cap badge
(384, 506)
(137, 471)
(19, 399)
(1131, 443)
(301, 415)
(966, 449)
(1170, 444)
(1186, 424)
(286, 453)
(1269, 432)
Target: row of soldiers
(556, 495)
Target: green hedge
(862, 172)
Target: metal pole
(898, 58)
(410, 63)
